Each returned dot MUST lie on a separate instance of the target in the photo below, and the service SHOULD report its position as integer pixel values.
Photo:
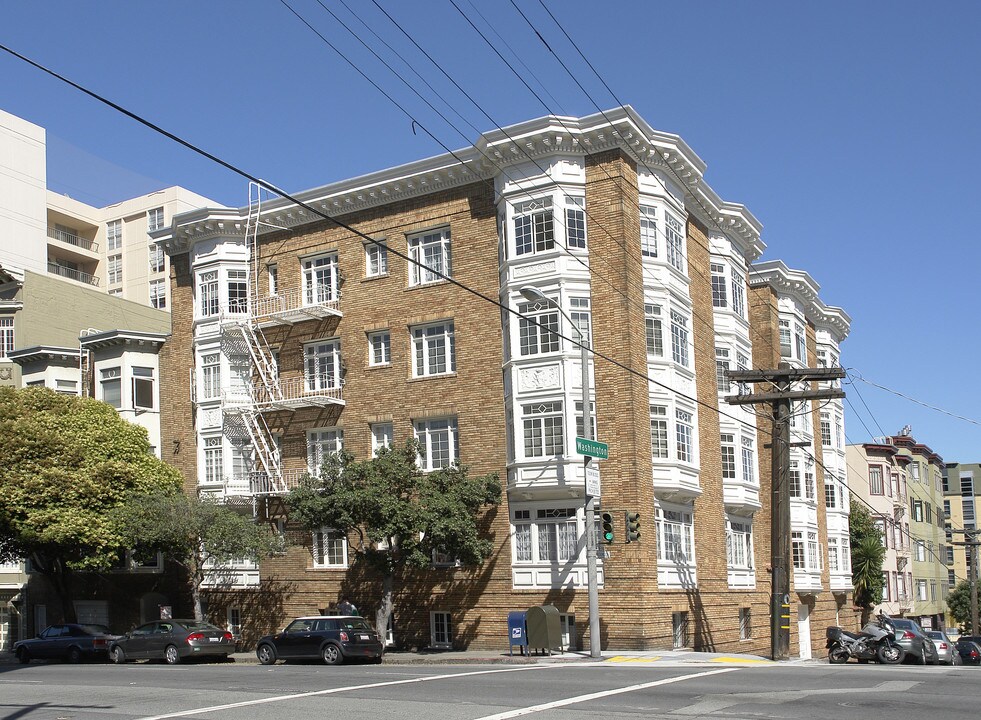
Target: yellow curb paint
(738, 660)
(625, 659)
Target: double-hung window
(833, 561)
(154, 219)
(208, 293)
(157, 261)
(557, 535)
(679, 338)
(213, 460)
(320, 279)
(6, 335)
(674, 236)
(719, 297)
(538, 328)
(659, 432)
(575, 222)
(739, 544)
(785, 350)
(542, 423)
(238, 291)
(655, 338)
(797, 549)
(579, 312)
(439, 444)
(800, 340)
(112, 387)
(738, 294)
(430, 257)
(721, 369)
(534, 230)
(158, 294)
(648, 231)
(728, 456)
(210, 376)
(114, 269)
(433, 350)
(329, 549)
(375, 259)
(814, 560)
(795, 487)
(675, 536)
(381, 436)
(321, 444)
(379, 348)
(875, 480)
(142, 383)
(749, 460)
(830, 492)
(580, 420)
(114, 235)
(323, 365)
(825, 429)
(683, 435)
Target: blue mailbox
(517, 632)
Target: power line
(854, 374)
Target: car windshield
(935, 635)
(96, 629)
(905, 624)
(353, 624)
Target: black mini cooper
(333, 639)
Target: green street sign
(593, 448)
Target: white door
(4, 629)
(804, 631)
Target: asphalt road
(607, 690)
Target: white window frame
(440, 629)
(114, 235)
(727, 442)
(720, 296)
(722, 366)
(329, 549)
(142, 377)
(154, 219)
(543, 429)
(738, 294)
(674, 239)
(375, 259)
(430, 253)
(680, 338)
(158, 259)
(541, 338)
(675, 534)
(739, 543)
(433, 349)
(323, 442)
(748, 455)
(533, 224)
(237, 290)
(575, 223)
(114, 269)
(684, 435)
(432, 430)
(322, 365)
(213, 460)
(158, 294)
(648, 231)
(382, 435)
(6, 335)
(208, 304)
(654, 329)
(379, 348)
(660, 433)
(552, 537)
(579, 313)
(321, 279)
(111, 377)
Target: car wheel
(117, 655)
(74, 655)
(266, 654)
(172, 655)
(332, 654)
(922, 660)
(23, 657)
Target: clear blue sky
(850, 129)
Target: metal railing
(72, 274)
(72, 239)
(295, 393)
(293, 305)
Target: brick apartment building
(293, 337)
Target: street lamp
(533, 294)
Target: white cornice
(620, 128)
(804, 289)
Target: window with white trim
(538, 329)
(158, 294)
(142, 388)
(655, 338)
(441, 629)
(785, 348)
(439, 443)
(379, 348)
(375, 259)
(575, 223)
(237, 285)
(721, 369)
(675, 536)
(728, 444)
(814, 559)
(321, 279)
(381, 436)
(534, 230)
(830, 492)
(114, 269)
(797, 550)
(6, 336)
(272, 277)
(431, 256)
(543, 425)
(329, 549)
(825, 429)
(683, 435)
(739, 543)
(875, 480)
(800, 341)
(154, 219)
(581, 425)
(738, 294)
(679, 338)
(323, 365)
(719, 296)
(158, 260)
(659, 432)
(114, 235)
(208, 293)
(433, 349)
(321, 444)
(579, 312)
(749, 460)
(833, 560)
(796, 491)
(674, 237)
(112, 387)
(810, 489)
(553, 537)
(648, 231)
(213, 463)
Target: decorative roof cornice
(98, 341)
(43, 352)
(621, 128)
(804, 289)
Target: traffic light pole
(595, 650)
(780, 398)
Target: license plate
(214, 639)
(363, 637)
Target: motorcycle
(876, 641)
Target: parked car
(969, 651)
(946, 651)
(73, 642)
(911, 638)
(332, 639)
(173, 641)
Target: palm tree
(867, 557)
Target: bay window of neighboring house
(534, 230)
(683, 436)
(722, 369)
(321, 279)
(655, 338)
(679, 338)
(551, 537)
(112, 386)
(674, 238)
(213, 462)
(142, 387)
(543, 425)
(659, 432)
(329, 549)
(430, 256)
(648, 231)
(538, 329)
(208, 293)
(323, 365)
(739, 543)
(719, 295)
(675, 536)
(728, 446)
(439, 444)
(433, 350)
(322, 443)
(238, 291)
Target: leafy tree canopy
(959, 604)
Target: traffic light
(633, 526)
(607, 519)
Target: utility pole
(971, 543)
(780, 398)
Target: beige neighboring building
(106, 248)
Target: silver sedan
(946, 649)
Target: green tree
(959, 604)
(190, 531)
(399, 515)
(867, 556)
(65, 463)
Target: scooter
(876, 641)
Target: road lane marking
(349, 688)
(597, 695)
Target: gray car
(173, 641)
(911, 638)
(946, 650)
